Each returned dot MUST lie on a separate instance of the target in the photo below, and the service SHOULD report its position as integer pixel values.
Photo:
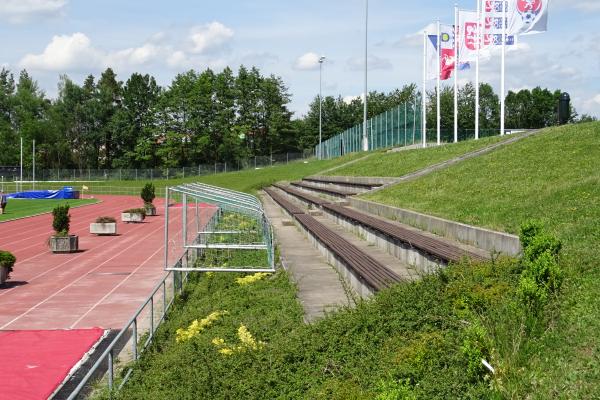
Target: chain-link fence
(11, 174)
(400, 126)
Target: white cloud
(307, 62)
(350, 99)
(64, 52)
(178, 60)
(374, 63)
(21, 10)
(76, 53)
(210, 37)
(416, 39)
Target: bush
(541, 274)
(62, 220)
(7, 260)
(148, 193)
(105, 220)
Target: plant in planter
(133, 215)
(104, 226)
(61, 241)
(7, 261)
(148, 195)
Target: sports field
(24, 208)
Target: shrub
(148, 193)
(7, 260)
(541, 274)
(476, 347)
(62, 220)
(105, 220)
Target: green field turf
(24, 208)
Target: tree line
(206, 117)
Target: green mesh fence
(400, 126)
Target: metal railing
(134, 329)
(132, 174)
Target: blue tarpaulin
(66, 192)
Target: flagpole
(366, 99)
(502, 76)
(477, 70)
(456, 35)
(439, 62)
(424, 93)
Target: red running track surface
(40, 360)
(101, 286)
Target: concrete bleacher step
(406, 272)
(364, 273)
(323, 189)
(320, 289)
(423, 250)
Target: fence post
(225, 166)
(134, 339)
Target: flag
(432, 57)
(467, 33)
(495, 15)
(528, 16)
(447, 59)
(85, 187)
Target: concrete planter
(132, 217)
(150, 210)
(64, 244)
(3, 275)
(103, 229)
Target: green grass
(408, 339)
(553, 177)
(24, 208)
(404, 162)
(249, 181)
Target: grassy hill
(553, 177)
(426, 339)
(407, 161)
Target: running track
(103, 284)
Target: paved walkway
(320, 288)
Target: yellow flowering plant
(247, 342)
(196, 326)
(247, 280)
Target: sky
(163, 38)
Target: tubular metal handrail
(108, 355)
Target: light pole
(365, 138)
(321, 60)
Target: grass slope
(404, 162)
(407, 341)
(553, 177)
(25, 208)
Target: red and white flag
(447, 58)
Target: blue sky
(163, 38)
